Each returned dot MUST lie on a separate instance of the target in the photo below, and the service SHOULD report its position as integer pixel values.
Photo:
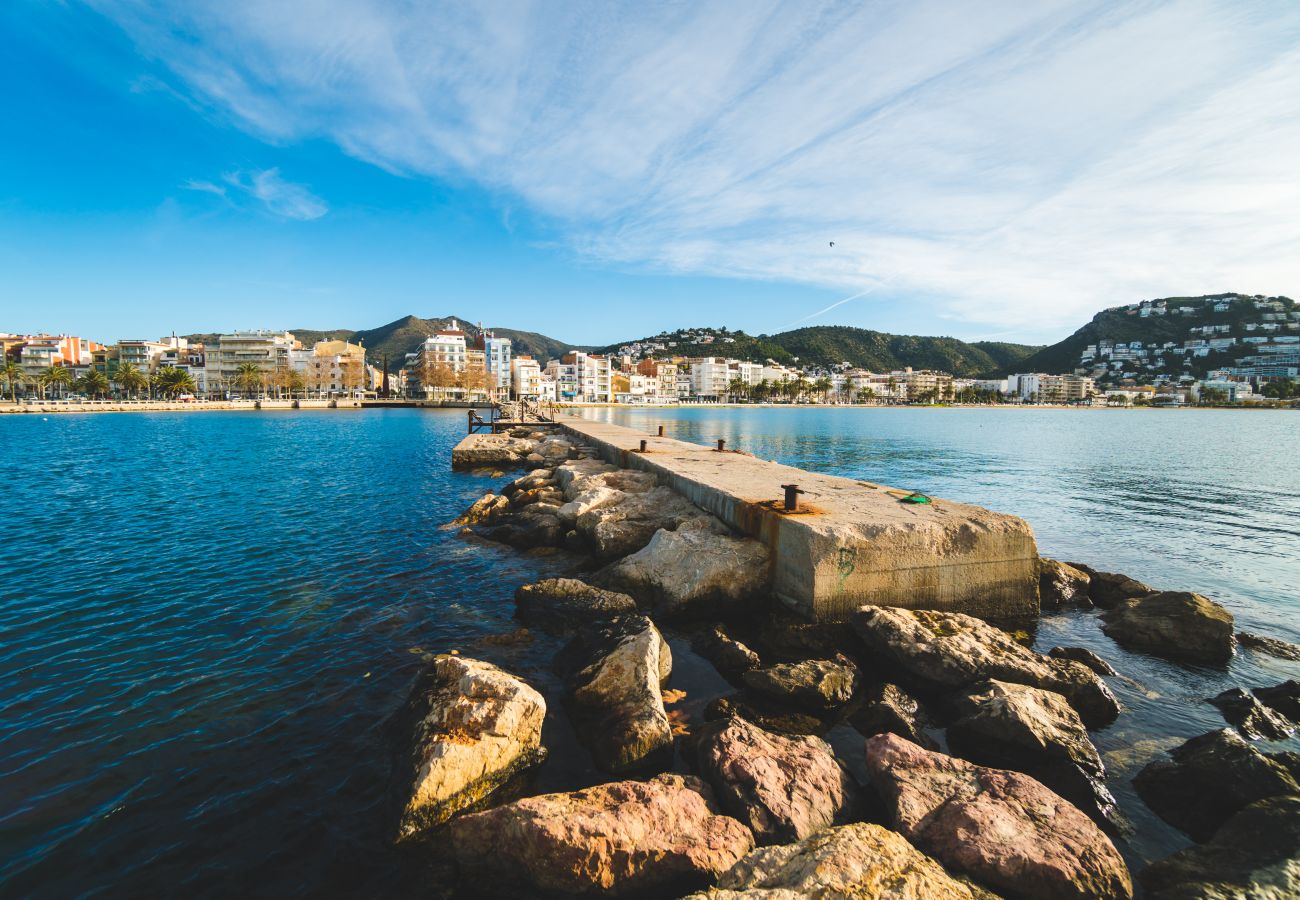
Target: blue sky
(599, 171)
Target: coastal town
(458, 366)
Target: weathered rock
(568, 603)
(763, 713)
(813, 683)
(1085, 656)
(693, 571)
(1252, 719)
(1061, 584)
(850, 861)
(785, 637)
(535, 525)
(534, 479)
(572, 475)
(1176, 625)
(783, 788)
(489, 450)
(1002, 828)
(1283, 698)
(1037, 732)
(590, 498)
(1208, 779)
(727, 654)
(1256, 854)
(484, 511)
(617, 667)
(549, 495)
(1270, 645)
(1108, 589)
(476, 727)
(623, 527)
(660, 836)
(887, 708)
(952, 650)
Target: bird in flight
(832, 243)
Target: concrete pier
(850, 542)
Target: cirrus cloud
(998, 164)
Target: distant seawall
(92, 406)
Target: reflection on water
(208, 619)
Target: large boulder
(850, 861)
(660, 837)
(572, 476)
(1209, 778)
(1003, 828)
(615, 669)
(698, 570)
(783, 788)
(1255, 854)
(1061, 584)
(1037, 732)
(535, 525)
(817, 684)
(1269, 645)
(476, 727)
(568, 603)
(947, 650)
(1108, 589)
(1252, 719)
(1283, 698)
(623, 527)
(887, 708)
(495, 450)
(1176, 625)
(486, 510)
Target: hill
(402, 336)
(826, 346)
(1160, 328)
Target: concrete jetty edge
(851, 542)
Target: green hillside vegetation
(403, 336)
(826, 346)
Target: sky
(601, 171)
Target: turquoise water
(208, 619)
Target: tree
(93, 384)
(866, 394)
(737, 387)
(353, 373)
(56, 377)
(172, 382)
(12, 376)
(248, 377)
(130, 379)
(823, 387)
(1212, 396)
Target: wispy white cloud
(999, 165)
(274, 195)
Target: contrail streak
(829, 308)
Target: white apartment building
(268, 350)
(444, 351)
(1038, 387)
(525, 378)
(709, 377)
(582, 378)
(497, 355)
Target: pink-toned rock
(626, 837)
(1003, 828)
(783, 788)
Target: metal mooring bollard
(792, 493)
(722, 445)
(661, 431)
(643, 445)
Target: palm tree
(248, 377)
(12, 376)
(56, 376)
(93, 384)
(737, 387)
(130, 379)
(173, 381)
(822, 386)
(800, 386)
